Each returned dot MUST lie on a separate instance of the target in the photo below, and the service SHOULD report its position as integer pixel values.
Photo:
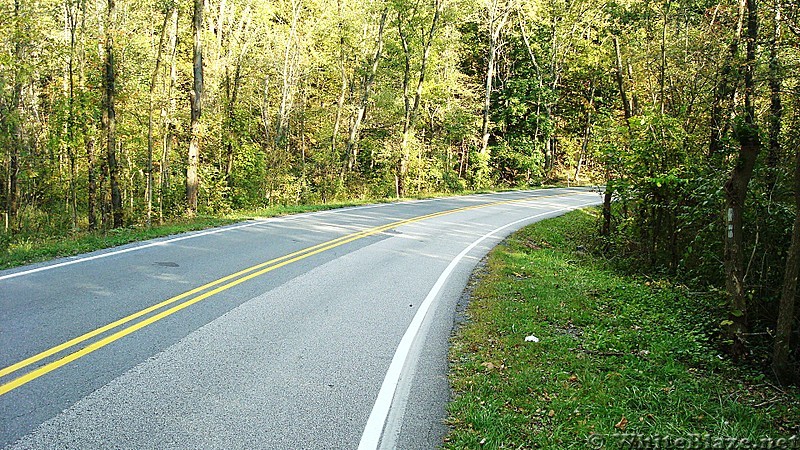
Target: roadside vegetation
(621, 360)
(117, 113)
(36, 247)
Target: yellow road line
(75, 341)
(249, 273)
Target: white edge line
(125, 250)
(251, 223)
(215, 231)
(373, 431)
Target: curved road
(321, 330)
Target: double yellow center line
(205, 292)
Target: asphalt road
(321, 330)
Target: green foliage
(285, 82)
(519, 162)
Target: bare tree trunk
(736, 193)
(196, 98)
(526, 41)
(150, 138)
(352, 142)
(605, 229)
(402, 161)
(110, 116)
(634, 103)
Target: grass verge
(621, 362)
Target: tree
(781, 362)
(405, 22)
(110, 115)
(497, 13)
(369, 80)
(736, 189)
(151, 106)
(11, 121)
(196, 100)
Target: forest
(115, 113)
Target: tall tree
(169, 112)
(238, 44)
(411, 103)
(736, 189)
(196, 100)
(775, 105)
(12, 121)
(110, 115)
(150, 108)
(337, 122)
(725, 88)
(288, 75)
(369, 79)
(781, 361)
(497, 12)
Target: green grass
(619, 358)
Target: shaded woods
(119, 113)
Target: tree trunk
(781, 356)
(232, 95)
(71, 24)
(14, 125)
(169, 126)
(352, 142)
(92, 183)
(288, 76)
(605, 229)
(411, 108)
(110, 116)
(497, 20)
(626, 106)
(587, 134)
(343, 73)
(150, 138)
(663, 69)
(196, 97)
(402, 162)
(736, 193)
(775, 108)
(231, 121)
(725, 89)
